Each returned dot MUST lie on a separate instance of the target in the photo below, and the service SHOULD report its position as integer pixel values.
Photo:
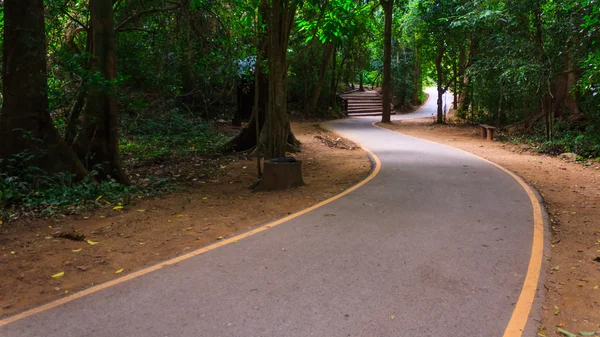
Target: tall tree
(388, 7)
(98, 142)
(276, 135)
(25, 123)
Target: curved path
(436, 244)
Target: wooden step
(378, 109)
(367, 114)
(350, 101)
(362, 105)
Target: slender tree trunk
(440, 89)
(333, 88)
(456, 85)
(361, 79)
(98, 142)
(500, 99)
(25, 124)
(417, 80)
(78, 106)
(329, 48)
(387, 60)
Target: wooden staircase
(364, 103)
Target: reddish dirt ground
(148, 231)
(571, 194)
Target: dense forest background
(89, 88)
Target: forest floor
(39, 264)
(572, 198)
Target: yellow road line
(522, 310)
(375, 170)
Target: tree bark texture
(25, 123)
(276, 136)
(98, 141)
(387, 60)
(440, 76)
(329, 48)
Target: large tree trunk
(387, 60)
(25, 123)
(98, 142)
(440, 89)
(329, 48)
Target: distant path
(436, 244)
(429, 108)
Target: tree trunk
(329, 48)
(333, 87)
(456, 85)
(417, 80)
(98, 142)
(276, 135)
(387, 60)
(500, 99)
(79, 104)
(361, 79)
(25, 123)
(440, 89)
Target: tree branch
(121, 26)
(136, 29)
(74, 19)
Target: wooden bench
(487, 131)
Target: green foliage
(169, 134)
(25, 188)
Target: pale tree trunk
(25, 123)
(387, 60)
(329, 48)
(98, 142)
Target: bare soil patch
(216, 203)
(571, 193)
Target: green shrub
(169, 134)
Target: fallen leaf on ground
(92, 242)
(13, 252)
(220, 238)
(596, 287)
(556, 310)
(1, 222)
(57, 275)
(99, 197)
(77, 250)
(119, 271)
(587, 333)
(116, 208)
(565, 332)
(330, 214)
(141, 210)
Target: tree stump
(280, 174)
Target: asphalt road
(437, 244)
